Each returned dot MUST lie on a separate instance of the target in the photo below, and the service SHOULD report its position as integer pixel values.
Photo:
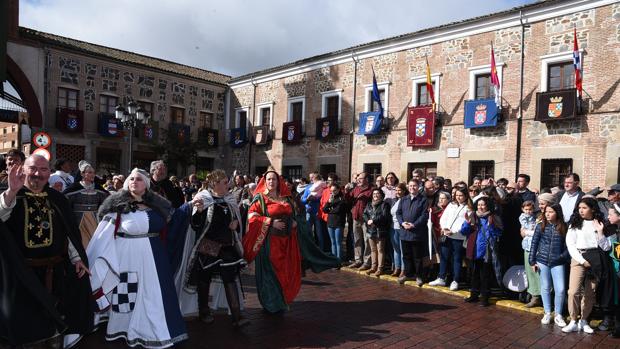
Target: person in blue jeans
(548, 256)
(310, 199)
(336, 210)
(401, 190)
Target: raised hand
(17, 178)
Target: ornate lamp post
(129, 119)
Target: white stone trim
(435, 36)
(289, 113)
(421, 79)
(485, 69)
(368, 99)
(245, 109)
(258, 119)
(327, 94)
(546, 60)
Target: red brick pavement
(344, 310)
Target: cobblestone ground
(344, 310)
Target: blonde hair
(216, 176)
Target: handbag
(209, 247)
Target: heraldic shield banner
(109, 126)
(326, 128)
(291, 132)
(238, 137)
(148, 132)
(69, 120)
(210, 137)
(481, 113)
(420, 126)
(556, 105)
(261, 135)
(370, 123)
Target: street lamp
(129, 119)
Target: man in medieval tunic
(161, 184)
(85, 197)
(48, 264)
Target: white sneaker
(454, 286)
(438, 282)
(571, 327)
(559, 321)
(585, 327)
(546, 319)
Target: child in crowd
(548, 256)
(527, 219)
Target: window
(423, 96)
(480, 81)
(12, 144)
(264, 117)
(373, 171)
(205, 120)
(148, 107)
(331, 105)
(296, 111)
(557, 71)
(107, 104)
(419, 95)
(384, 94)
(561, 76)
(554, 171)
(484, 89)
(14, 128)
(241, 117)
(292, 172)
(67, 98)
(429, 168)
(177, 115)
(483, 169)
(326, 169)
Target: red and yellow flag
(429, 84)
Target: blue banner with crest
(370, 123)
(481, 113)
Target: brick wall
(589, 140)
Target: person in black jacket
(548, 256)
(336, 209)
(161, 184)
(377, 219)
(413, 217)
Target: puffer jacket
(381, 217)
(548, 247)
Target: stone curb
(461, 293)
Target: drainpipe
(352, 132)
(249, 132)
(520, 115)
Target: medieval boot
(204, 312)
(232, 297)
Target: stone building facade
(458, 54)
(78, 85)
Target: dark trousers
(481, 274)
(451, 248)
(349, 239)
(413, 254)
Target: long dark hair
(560, 226)
(576, 221)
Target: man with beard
(45, 285)
(163, 186)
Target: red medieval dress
(277, 256)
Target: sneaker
(571, 327)
(546, 319)
(419, 282)
(402, 279)
(437, 282)
(355, 265)
(585, 327)
(454, 286)
(606, 324)
(559, 321)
